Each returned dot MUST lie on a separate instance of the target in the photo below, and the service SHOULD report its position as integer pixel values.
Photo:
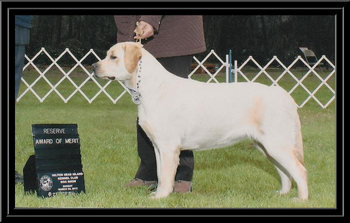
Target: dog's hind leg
(288, 163)
(285, 180)
(167, 163)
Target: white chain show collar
(135, 94)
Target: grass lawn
(235, 177)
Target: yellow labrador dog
(180, 114)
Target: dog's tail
(298, 149)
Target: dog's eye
(113, 57)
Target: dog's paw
(156, 196)
(283, 192)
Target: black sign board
(56, 166)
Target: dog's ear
(132, 56)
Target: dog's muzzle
(94, 68)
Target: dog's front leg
(167, 162)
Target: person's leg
(19, 61)
(146, 174)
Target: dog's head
(120, 63)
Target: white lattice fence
(84, 82)
(320, 77)
(66, 75)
